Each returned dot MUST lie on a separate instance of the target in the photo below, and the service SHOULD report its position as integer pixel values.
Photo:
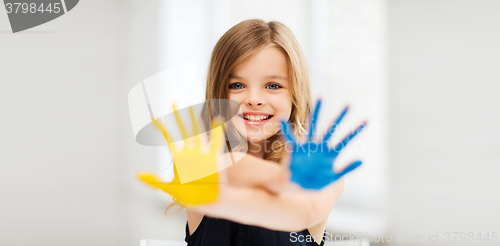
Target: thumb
(349, 168)
(151, 180)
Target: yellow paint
(191, 162)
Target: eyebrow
(268, 77)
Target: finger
(150, 179)
(197, 142)
(346, 140)
(329, 133)
(351, 167)
(180, 124)
(287, 131)
(166, 135)
(312, 125)
(217, 134)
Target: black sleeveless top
(221, 232)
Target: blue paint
(311, 163)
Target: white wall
(357, 76)
(443, 115)
(68, 157)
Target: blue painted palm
(311, 163)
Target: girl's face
(260, 85)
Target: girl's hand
(192, 162)
(311, 162)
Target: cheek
(236, 97)
(283, 105)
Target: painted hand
(191, 161)
(311, 163)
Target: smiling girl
(261, 66)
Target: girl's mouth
(255, 119)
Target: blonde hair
(245, 39)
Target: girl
(260, 66)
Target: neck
(256, 149)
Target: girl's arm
(286, 211)
(250, 171)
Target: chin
(257, 137)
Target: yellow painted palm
(191, 162)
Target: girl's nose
(255, 103)
(255, 99)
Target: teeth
(256, 117)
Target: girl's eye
(236, 86)
(273, 86)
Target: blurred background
(422, 72)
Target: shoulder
(193, 220)
(317, 231)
